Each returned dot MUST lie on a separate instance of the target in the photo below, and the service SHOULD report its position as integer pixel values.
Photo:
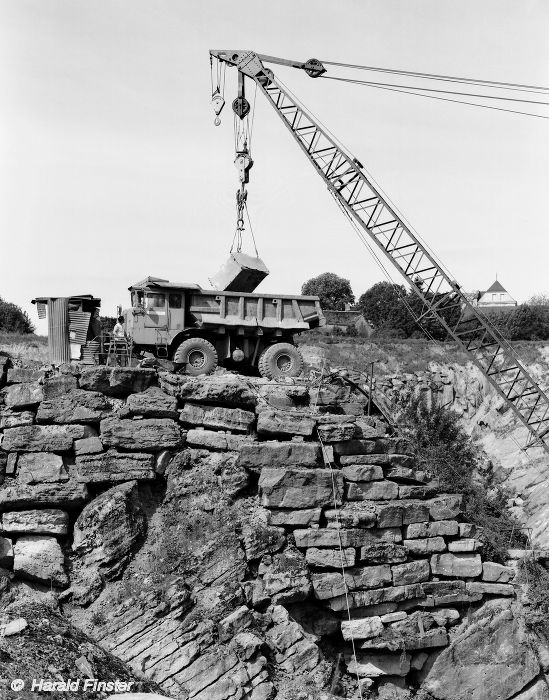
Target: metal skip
(241, 273)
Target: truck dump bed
(266, 311)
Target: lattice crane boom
(441, 296)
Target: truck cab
(199, 328)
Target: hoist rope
(446, 78)
(444, 92)
(405, 91)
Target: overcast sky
(111, 168)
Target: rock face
(106, 531)
(490, 659)
(218, 550)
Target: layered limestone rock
(204, 535)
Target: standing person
(118, 331)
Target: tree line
(391, 310)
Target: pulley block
(241, 107)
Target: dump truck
(197, 329)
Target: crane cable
(410, 91)
(445, 78)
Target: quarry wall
(230, 537)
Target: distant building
(348, 322)
(495, 298)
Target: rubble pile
(294, 525)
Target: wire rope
(445, 92)
(438, 76)
(434, 97)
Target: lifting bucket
(241, 273)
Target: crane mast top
(377, 221)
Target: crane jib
(442, 298)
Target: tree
(383, 306)
(334, 291)
(13, 319)
(539, 300)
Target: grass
(536, 609)
(26, 348)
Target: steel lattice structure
(442, 298)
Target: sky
(111, 168)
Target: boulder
(152, 403)
(484, 588)
(438, 528)
(489, 659)
(47, 521)
(21, 396)
(259, 455)
(217, 417)
(40, 468)
(218, 389)
(296, 518)
(68, 494)
(373, 665)
(362, 472)
(284, 423)
(286, 577)
(117, 381)
(352, 515)
(394, 460)
(88, 446)
(39, 558)
(6, 553)
(113, 466)
(412, 572)
(330, 558)
(107, 530)
(371, 491)
(13, 419)
(361, 629)
(456, 565)
(465, 545)
(330, 432)
(497, 573)
(153, 434)
(299, 488)
(58, 385)
(39, 438)
(332, 537)
(78, 406)
(446, 507)
(423, 547)
(215, 440)
(383, 553)
(25, 375)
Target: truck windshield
(155, 301)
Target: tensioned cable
(445, 92)
(437, 76)
(433, 97)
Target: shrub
(536, 611)
(447, 454)
(13, 319)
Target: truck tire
(280, 360)
(197, 355)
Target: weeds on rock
(536, 604)
(447, 454)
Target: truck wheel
(280, 360)
(197, 355)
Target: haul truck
(200, 328)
